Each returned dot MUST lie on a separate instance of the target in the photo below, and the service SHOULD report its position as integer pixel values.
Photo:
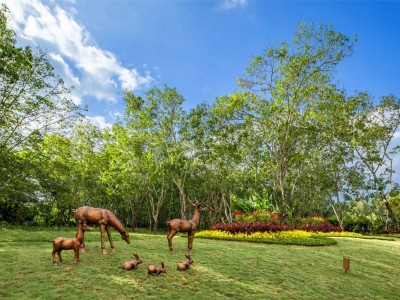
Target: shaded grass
(221, 269)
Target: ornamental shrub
(314, 220)
(257, 216)
(250, 227)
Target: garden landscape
(284, 188)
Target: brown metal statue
(132, 264)
(61, 243)
(104, 218)
(184, 265)
(189, 226)
(152, 269)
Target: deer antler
(191, 202)
(211, 208)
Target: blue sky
(199, 47)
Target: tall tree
(289, 93)
(374, 130)
(33, 101)
(156, 121)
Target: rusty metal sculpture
(132, 264)
(184, 265)
(104, 218)
(152, 269)
(189, 226)
(61, 243)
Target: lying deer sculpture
(104, 218)
(184, 265)
(152, 269)
(189, 226)
(61, 243)
(132, 264)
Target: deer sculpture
(189, 226)
(104, 218)
(184, 265)
(132, 264)
(152, 269)
(61, 243)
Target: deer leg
(170, 235)
(102, 228)
(82, 247)
(76, 255)
(59, 255)
(53, 255)
(190, 240)
(109, 238)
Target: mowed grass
(221, 269)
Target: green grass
(222, 269)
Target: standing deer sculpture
(104, 218)
(61, 243)
(189, 226)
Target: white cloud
(91, 70)
(99, 121)
(232, 4)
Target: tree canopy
(289, 139)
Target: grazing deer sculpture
(104, 218)
(152, 269)
(61, 243)
(189, 226)
(132, 264)
(184, 265)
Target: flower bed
(290, 237)
(338, 234)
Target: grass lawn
(221, 269)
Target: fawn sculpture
(184, 265)
(61, 243)
(132, 264)
(189, 226)
(104, 218)
(152, 269)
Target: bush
(314, 220)
(257, 216)
(250, 227)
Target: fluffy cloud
(91, 70)
(99, 121)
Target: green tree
(374, 129)
(288, 96)
(156, 121)
(33, 101)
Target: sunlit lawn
(222, 269)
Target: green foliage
(33, 101)
(289, 141)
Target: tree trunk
(390, 211)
